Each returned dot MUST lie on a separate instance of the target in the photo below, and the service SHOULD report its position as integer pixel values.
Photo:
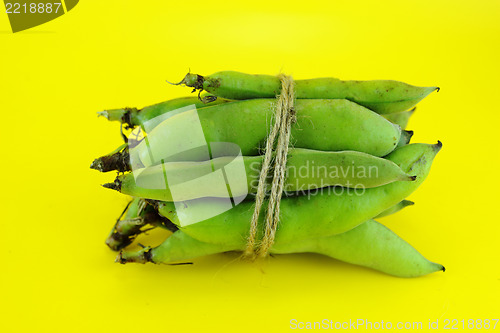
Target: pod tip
(141, 257)
(103, 114)
(412, 178)
(191, 80)
(120, 115)
(109, 185)
(443, 268)
(408, 202)
(437, 89)
(97, 164)
(117, 241)
(116, 185)
(118, 161)
(438, 145)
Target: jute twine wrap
(279, 137)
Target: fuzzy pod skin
(328, 125)
(329, 212)
(134, 117)
(396, 208)
(370, 245)
(400, 118)
(381, 96)
(306, 170)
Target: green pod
(400, 118)
(119, 160)
(370, 245)
(381, 96)
(320, 213)
(306, 170)
(396, 208)
(329, 125)
(134, 117)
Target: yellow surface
(58, 276)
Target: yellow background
(58, 276)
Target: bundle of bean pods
(350, 161)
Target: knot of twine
(277, 144)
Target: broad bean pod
(370, 244)
(381, 96)
(329, 125)
(306, 170)
(136, 117)
(321, 213)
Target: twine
(284, 117)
